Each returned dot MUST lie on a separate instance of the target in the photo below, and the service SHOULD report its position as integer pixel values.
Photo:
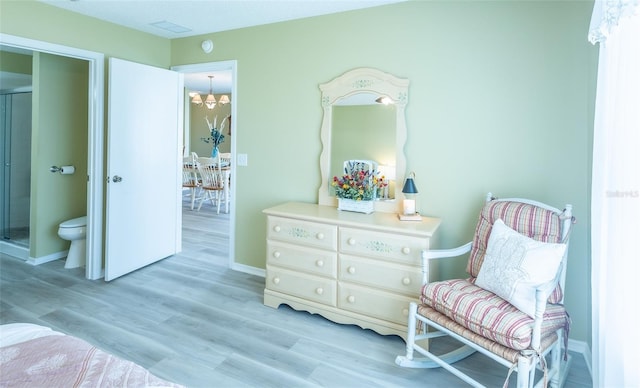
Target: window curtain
(615, 195)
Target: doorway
(196, 79)
(95, 64)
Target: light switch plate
(243, 160)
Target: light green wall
(35, 20)
(59, 137)
(501, 100)
(15, 63)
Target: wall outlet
(243, 160)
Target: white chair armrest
(430, 254)
(443, 253)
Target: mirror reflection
(364, 118)
(365, 132)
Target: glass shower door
(15, 182)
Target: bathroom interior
(43, 101)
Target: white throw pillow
(515, 266)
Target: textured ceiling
(207, 16)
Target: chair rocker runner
(517, 258)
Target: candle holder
(410, 192)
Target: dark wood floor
(192, 320)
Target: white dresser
(351, 268)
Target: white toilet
(75, 230)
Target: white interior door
(143, 219)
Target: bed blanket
(66, 361)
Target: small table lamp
(409, 203)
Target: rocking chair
(510, 309)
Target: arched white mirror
(364, 118)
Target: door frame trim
(231, 65)
(95, 179)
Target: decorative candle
(409, 206)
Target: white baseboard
(248, 269)
(23, 254)
(582, 348)
(47, 258)
(14, 250)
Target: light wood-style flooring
(191, 320)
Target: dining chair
(190, 179)
(213, 182)
(226, 166)
(225, 159)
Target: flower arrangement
(216, 135)
(359, 182)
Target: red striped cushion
(494, 347)
(487, 314)
(530, 220)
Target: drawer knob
(276, 254)
(320, 236)
(351, 299)
(351, 241)
(406, 250)
(320, 263)
(276, 280)
(405, 312)
(351, 270)
(406, 281)
(277, 228)
(319, 291)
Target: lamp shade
(197, 99)
(409, 185)
(210, 102)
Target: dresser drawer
(314, 261)
(314, 288)
(373, 303)
(381, 275)
(390, 246)
(305, 233)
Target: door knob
(117, 179)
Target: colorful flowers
(360, 182)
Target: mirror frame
(364, 80)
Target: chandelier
(210, 100)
